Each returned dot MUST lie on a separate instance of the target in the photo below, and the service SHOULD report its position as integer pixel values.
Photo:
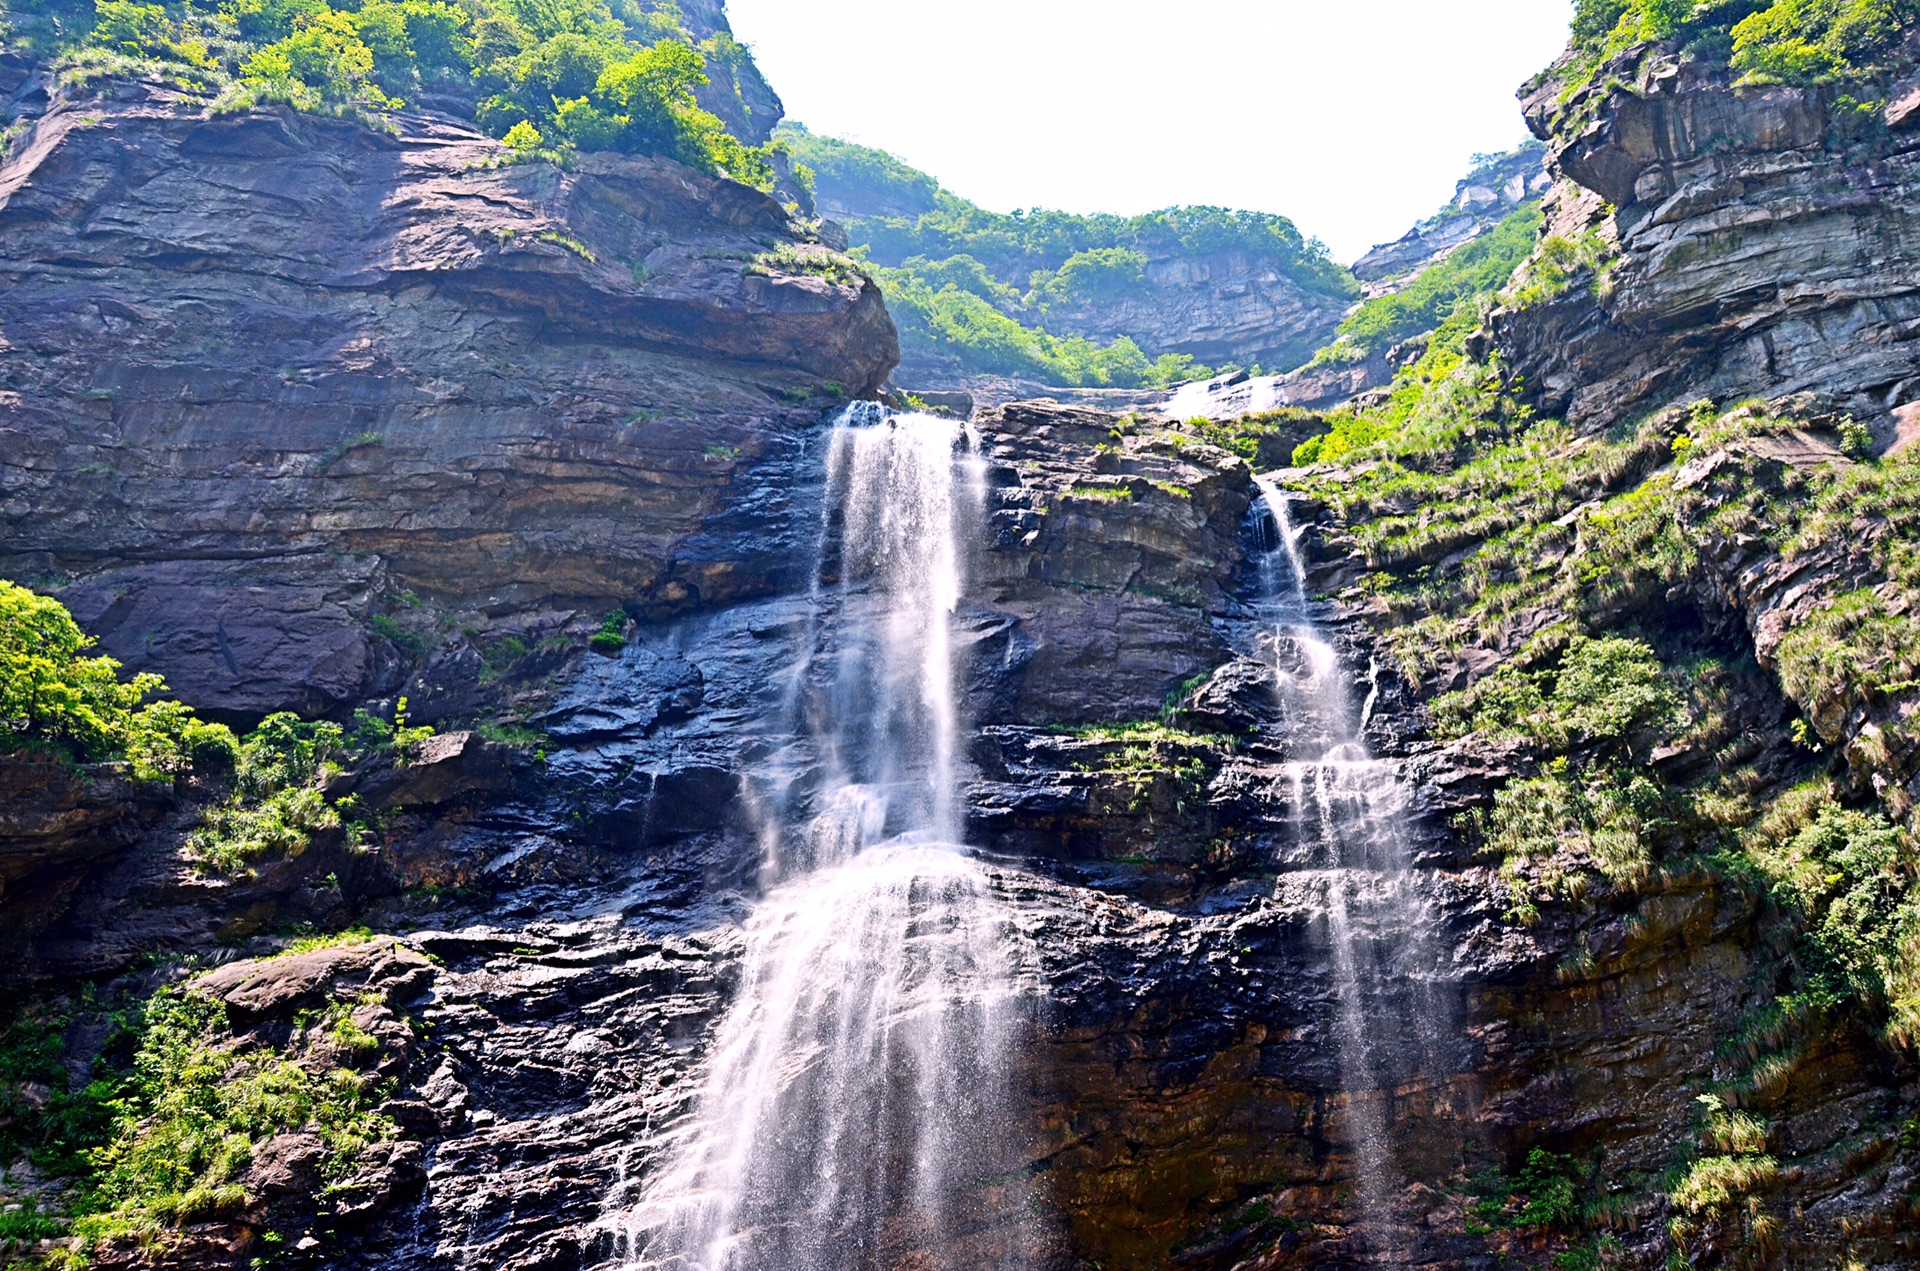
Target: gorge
(644, 792)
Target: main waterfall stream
(1351, 811)
(853, 1109)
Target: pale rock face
(1476, 208)
(1227, 307)
(1761, 252)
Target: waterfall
(1350, 811)
(852, 1114)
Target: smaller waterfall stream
(1351, 812)
(852, 1113)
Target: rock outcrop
(1481, 200)
(1766, 245)
(261, 374)
(1229, 306)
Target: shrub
(55, 700)
(601, 94)
(59, 1130)
(1541, 1195)
(200, 1101)
(277, 805)
(612, 635)
(1798, 41)
(322, 61)
(622, 83)
(144, 31)
(1791, 41)
(1101, 274)
(523, 138)
(1850, 876)
(1602, 691)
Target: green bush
(277, 804)
(1542, 1195)
(145, 31)
(1786, 41)
(612, 635)
(1602, 691)
(569, 69)
(323, 60)
(55, 700)
(1101, 274)
(199, 1103)
(1851, 876)
(70, 1116)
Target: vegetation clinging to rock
(56, 700)
(1476, 269)
(1766, 41)
(573, 75)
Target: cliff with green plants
(422, 541)
(1638, 542)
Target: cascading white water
(1350, 812)
(853, 1110)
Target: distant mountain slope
(1425, 292)
(1076, 300)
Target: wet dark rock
(443, 768)
(58, 816)
(1113, 549)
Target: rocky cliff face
(305, 415)
(264, 374)
(736, 90)
(1765, 239)
(1217, 307)
(1481, 200)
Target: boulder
(280, 987)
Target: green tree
(54, 698)
(324, 55)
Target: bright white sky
(1353, 117)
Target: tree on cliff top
(582, 74)
(1781, 41)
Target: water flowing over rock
(854, 1112)
(1351, 845)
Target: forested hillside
(1070, 299)
(550, 79)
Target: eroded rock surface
(1767, 245)
(260, 374)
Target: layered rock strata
(261, 374)
(1766, 245)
